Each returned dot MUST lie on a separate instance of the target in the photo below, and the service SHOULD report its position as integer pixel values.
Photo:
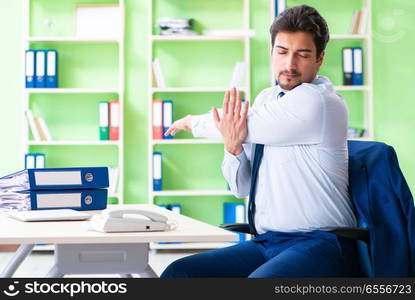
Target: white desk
(80, 250)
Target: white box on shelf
(98, 21)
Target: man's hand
(181, 124)
(232, 125)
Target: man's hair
(305, 19)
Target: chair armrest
(238, 227)
(352, 233)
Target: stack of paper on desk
(47, 188)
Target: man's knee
(177, 269)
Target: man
(289, 154)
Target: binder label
(58, 178)
(58, 200)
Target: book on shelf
(229, 32)
(32, 125)
(238, 74)
(359, 22)
(158, 75)
(43, 129)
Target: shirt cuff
(235, 159)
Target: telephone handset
(127, 220)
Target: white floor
(39, 263)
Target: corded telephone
(127, 220)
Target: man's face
(294, 59)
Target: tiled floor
(39, 263)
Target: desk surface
(76, 232)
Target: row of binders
(38, 127)
(162, 118)
(54, 188)
(35, 161)
(41, 68)
(109, 120)
(38, 161)
(352, 66)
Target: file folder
(56, 178)
(40, 81)
(104, 133)
(157, 119)
(234, 213)
(157, 172)
(347, 66)
(93, 199)
(34, 160)
(357, 77)
(114, 107)
(52, 69)
(167, 117)
(30, 65)
(30, 161)
(40, 159)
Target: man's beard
(290, 83)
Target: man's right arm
(237, 171)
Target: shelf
(73, 143)
(71, 91)
(192, 90)
(352, 88)
(349, 36)
(184, 141)
(199, 38)
(71, 39)
(158, 246)
(193, 193)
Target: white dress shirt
(302, 181)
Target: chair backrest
(383, 204)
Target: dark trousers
(274, 254)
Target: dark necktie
(259, 151)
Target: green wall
(393, 72)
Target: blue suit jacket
(383, 203)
